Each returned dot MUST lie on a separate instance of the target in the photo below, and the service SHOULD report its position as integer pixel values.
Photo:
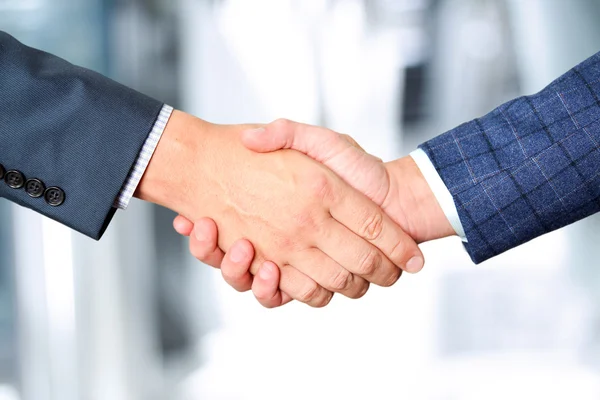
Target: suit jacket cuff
(527, 168)
(75, 131)
(143, 158)
(440, 191)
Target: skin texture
(324, 235)
(398, 187)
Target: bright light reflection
(58, 271)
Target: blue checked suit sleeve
(529, 167)
(69, 128)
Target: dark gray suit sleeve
(70, 131)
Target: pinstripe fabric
(527, 168)
(72, 128)
(136, 173)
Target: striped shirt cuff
(140, 165)
(440, 191)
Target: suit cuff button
(54, 196)
(14, 179)
(35, 188)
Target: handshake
(292, 211)
(288, 210)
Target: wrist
(180, 144)
(186, 172)
(413, 198)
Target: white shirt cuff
(141, 163)
(440, 191)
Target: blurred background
(135, 317)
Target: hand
(397, 186)
(295, 211)
(236, 271)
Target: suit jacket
(68, 136)
(527, 168)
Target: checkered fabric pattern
(527, 168)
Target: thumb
(262, 140)
(320, 144)
(340, 153)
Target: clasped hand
(304, 226)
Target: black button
(14, 179)
(54, 196)
(35, 188)
(2, 171)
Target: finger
(265, 286)
(183, 226)
(236, 265)
(302, 288)
(329, 274)
(203, 243)
(356, 255)
(368, 221)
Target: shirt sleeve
(141, 163)
(440, 191)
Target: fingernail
(266, 271)
(237, 255)
(415, 264)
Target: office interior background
(134, 316)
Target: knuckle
(372, 227)
(285, 242)
(231, 275)
(267, 304)
(236, 285)
(281, 123)
(362, 290)
(370, 263)
(349, 139)
(323, 300)
(230, 280)
(341, 280)
(201, 253)
(265, 300)
(304, 220)
(399, 252)
(320, 186)
(396, 273)
(310, 293)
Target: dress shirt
(440, 191)
(141, 163)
